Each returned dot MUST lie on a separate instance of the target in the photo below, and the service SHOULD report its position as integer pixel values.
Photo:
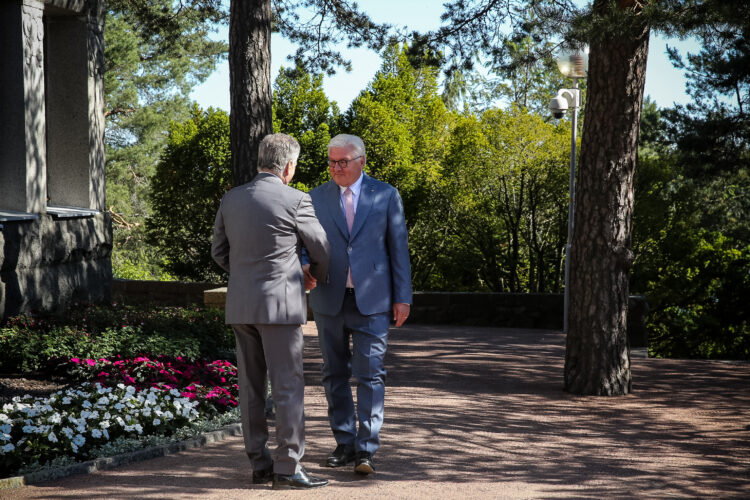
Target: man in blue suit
(369, 281)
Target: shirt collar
(354, 187)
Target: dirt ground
(480, 413)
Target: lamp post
(573, 64)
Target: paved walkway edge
(105, 463)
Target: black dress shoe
(262, 476)
(363, 464)
(342, 455)
(299, 481)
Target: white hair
(275, 151)
(347, 140)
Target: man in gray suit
(259, 231)
(369, 279)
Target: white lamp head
(574, 63)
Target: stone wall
(48, 262)
(516, 310)
(167, 293)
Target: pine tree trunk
(597, 355)
(249, 83)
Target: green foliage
(302, 110)
(692, 187)
(193, 174)
(404, 124)
(504, 202)
(33, 343)
(150, 74)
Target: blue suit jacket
(377, 249)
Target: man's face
(345, 177)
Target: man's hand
(400, 313)
(310, 282)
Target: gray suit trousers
(278, 349)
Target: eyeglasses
(342, 164)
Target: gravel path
(480, 413)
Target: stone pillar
(23, 181)
(95, 88)
(75, 110)
(68, 176)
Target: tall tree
(597, 356)
(155, 53)
(316, 26)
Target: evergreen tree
(155, 53)
(302, 110)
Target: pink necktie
(349, 210)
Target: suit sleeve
(398, 251)
(220, 245)
(313, 238)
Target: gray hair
(346, 140)
(275, 151)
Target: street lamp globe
(573, 63)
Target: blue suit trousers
(365, 360)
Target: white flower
(79, 440)
(55, 418)
(130, 389)
(106, 433)
(157, 422)
(8, 448)
(4, 436)
(68, 432)
(107, 416)
(86, 404)
(138, 428)
(119, 406)
(174, 392)
(119, 420)
(85, 414)
(52, 437)
(66, 400)
(146, 412)
(104, 424)
(3, 416)
(102, 401)
(96, 433)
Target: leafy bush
(32, 344)
(74, 421)
(192, 175)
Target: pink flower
(91, 362)
(128, 379)
(75, 360)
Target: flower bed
(76, 421)
(146, 376)
(36, 344)
(212, 383)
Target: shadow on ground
(480, 413)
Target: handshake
(310, 282)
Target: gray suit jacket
(258, 234)
(377, 249)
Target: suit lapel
(334, 207)
(366, 195)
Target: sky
(664, 84)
